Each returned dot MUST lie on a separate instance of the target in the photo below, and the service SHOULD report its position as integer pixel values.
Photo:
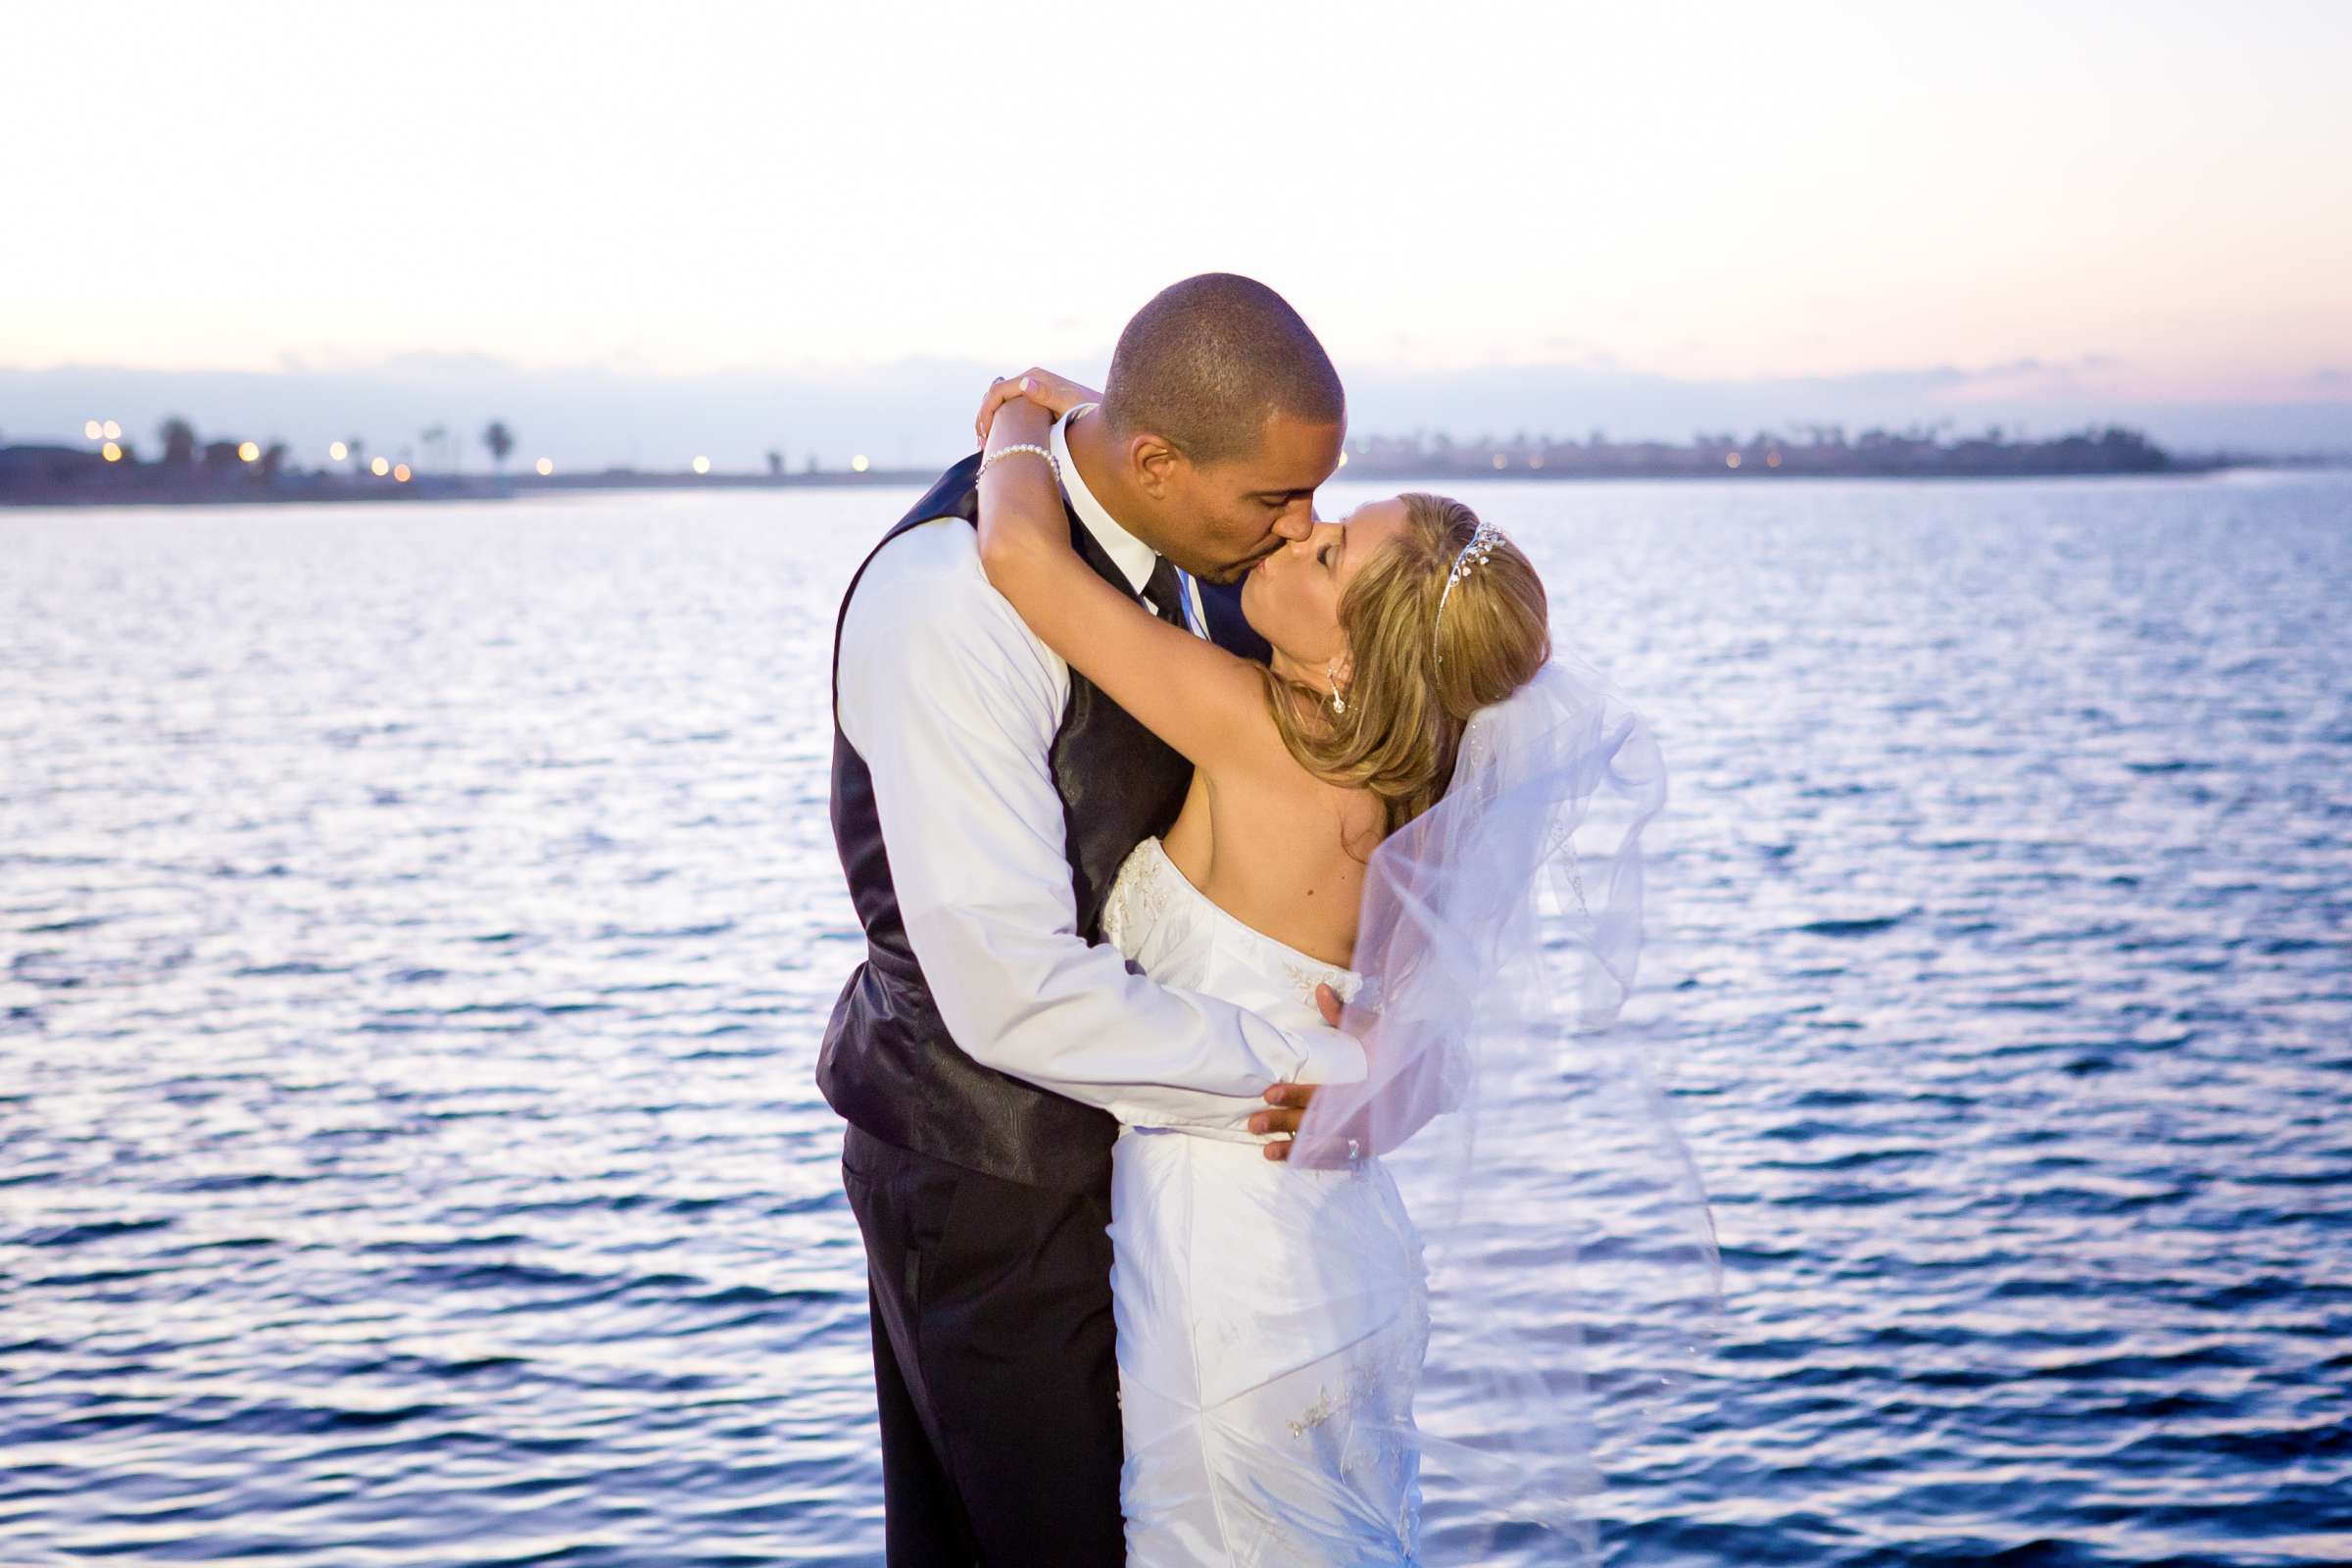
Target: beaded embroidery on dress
(1272, 1319)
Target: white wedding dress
(1271, 1318)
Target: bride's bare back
(1280, 855)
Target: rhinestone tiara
(1474, 555)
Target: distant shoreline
(149, 487)
(230, 472)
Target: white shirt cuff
(1332, 1058)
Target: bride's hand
(1057, 395)
(1020, 520)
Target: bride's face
(1291, 597)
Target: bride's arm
(1204, 702)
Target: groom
(983, 1055)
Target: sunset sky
(2086, 205)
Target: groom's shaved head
(1222, 417)
(1210, 361)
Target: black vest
(887, 1066)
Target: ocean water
(416, 925)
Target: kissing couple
(1199, 845)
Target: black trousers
(993, 1363)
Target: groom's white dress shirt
(954, 703)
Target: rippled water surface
(418, 927)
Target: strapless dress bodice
(1179, 937)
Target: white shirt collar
(1133, 557)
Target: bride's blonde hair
(1416, 678)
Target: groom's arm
(953, 704)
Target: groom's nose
(1296, 520)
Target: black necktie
(1167, 592)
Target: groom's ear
(1153, 462)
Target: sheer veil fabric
(1574, 1276)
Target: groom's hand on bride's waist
(1290, 1100)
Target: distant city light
(702, 465)
(249, 452)
(338, 452)
(114, 432)
(1342, 458)
(111, 452)
(1536, 461)
(1501, 462)
(1772, 459)
(1730, 460)
(545, 466)
(93, 428)
(379, 467)
(400, 472)
(857, 464)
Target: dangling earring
(1339, 704)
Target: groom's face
(1228, 516)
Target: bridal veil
(1573, 1270)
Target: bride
(1271, 1318)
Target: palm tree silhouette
(179, 440)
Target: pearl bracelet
(1051, 460)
